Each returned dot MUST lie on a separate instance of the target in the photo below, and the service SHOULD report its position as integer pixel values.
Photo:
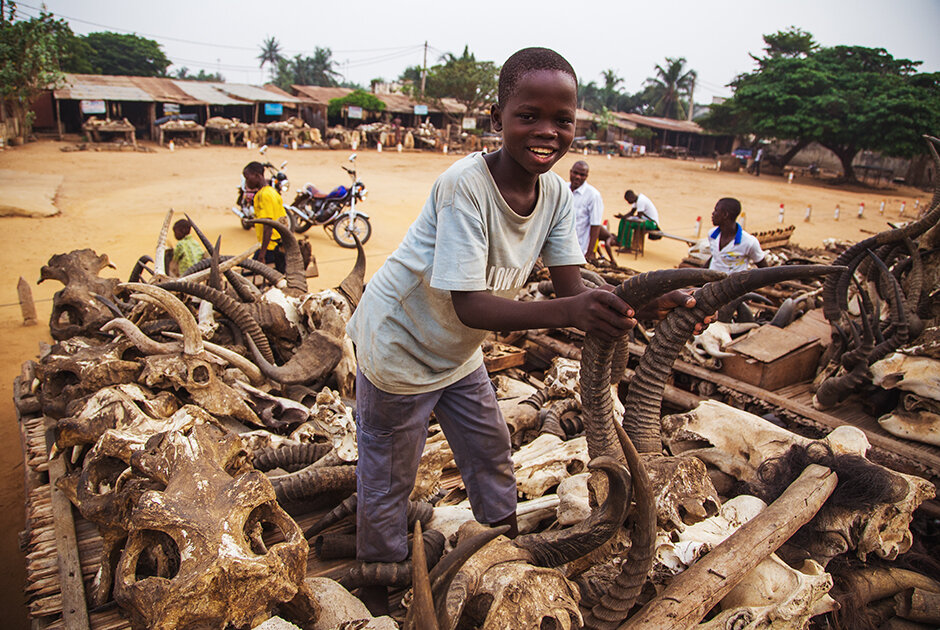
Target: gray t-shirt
(408, 337)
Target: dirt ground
(115, 202)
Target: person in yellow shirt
(268, 205)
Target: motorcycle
(336, 211)
(244, 207)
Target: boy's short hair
(629, 196)
(730, 205)
(255, 167)
(181, 227)
(527, 60)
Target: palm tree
(270, 54)
(668, 87)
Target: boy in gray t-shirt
(425, 312)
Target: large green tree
(30, 51)
(846, 98)
(202, 75)
(470, 82)
(117, 53)
(303, 70)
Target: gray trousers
(391, 432)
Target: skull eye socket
(66, 315)
(263, 525)
(103, 475)
(158, 557)
(200, 374)
(56, 383)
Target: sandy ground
(115, 202)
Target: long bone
(697, 589)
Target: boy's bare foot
(375, 598)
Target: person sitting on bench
(642, 216)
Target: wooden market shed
(679, 137)
(81, 96)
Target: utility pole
(692, 99)
(424, 69)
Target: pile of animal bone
(226, 124)
(202, 417)
(179, 124)
(107, 124)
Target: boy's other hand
(660, 307)
(600, 312)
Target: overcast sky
(373, 39)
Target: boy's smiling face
(538, 118)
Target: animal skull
(75, 309)
(195, 554)
(546, 461)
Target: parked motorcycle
(244, 207)
(336, 211)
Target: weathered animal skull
(917, 374)
(78, 367)
(75, 309)
(195, 556)
(546, 461)
(497, 588)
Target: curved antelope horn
(625, 589)
(139, 267)
(143, 343)
(641, 418)
(603, 361)
(352, 285)
(294, 270)
(835, 299)
(229, 307)
(443, 574)
(313, 361)
(192, 340)
(552, 549)
(159, 261)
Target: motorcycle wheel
(291, 221)
(344, 229)
(301, 225)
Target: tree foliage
(846, 98)
(667, 88)
(358, 98)
(119, 54)
(29, 63)
(302, 70)
(470, 82)
(202, 75)
(270, 54)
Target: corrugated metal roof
(206, 93)
(320, 95)
(99, 87)
(164, 89)
(253, 93)
(270, 87)
(662, 123)
(584, 114)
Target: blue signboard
(273, 109)
(421, 110)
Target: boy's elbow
(465, 309)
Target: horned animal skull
(75, 309)
(195, 556)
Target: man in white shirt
(642, 216)
(732, 248)
(588, 212)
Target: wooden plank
(74, 608)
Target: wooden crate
(771, 358)
(499, 356)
